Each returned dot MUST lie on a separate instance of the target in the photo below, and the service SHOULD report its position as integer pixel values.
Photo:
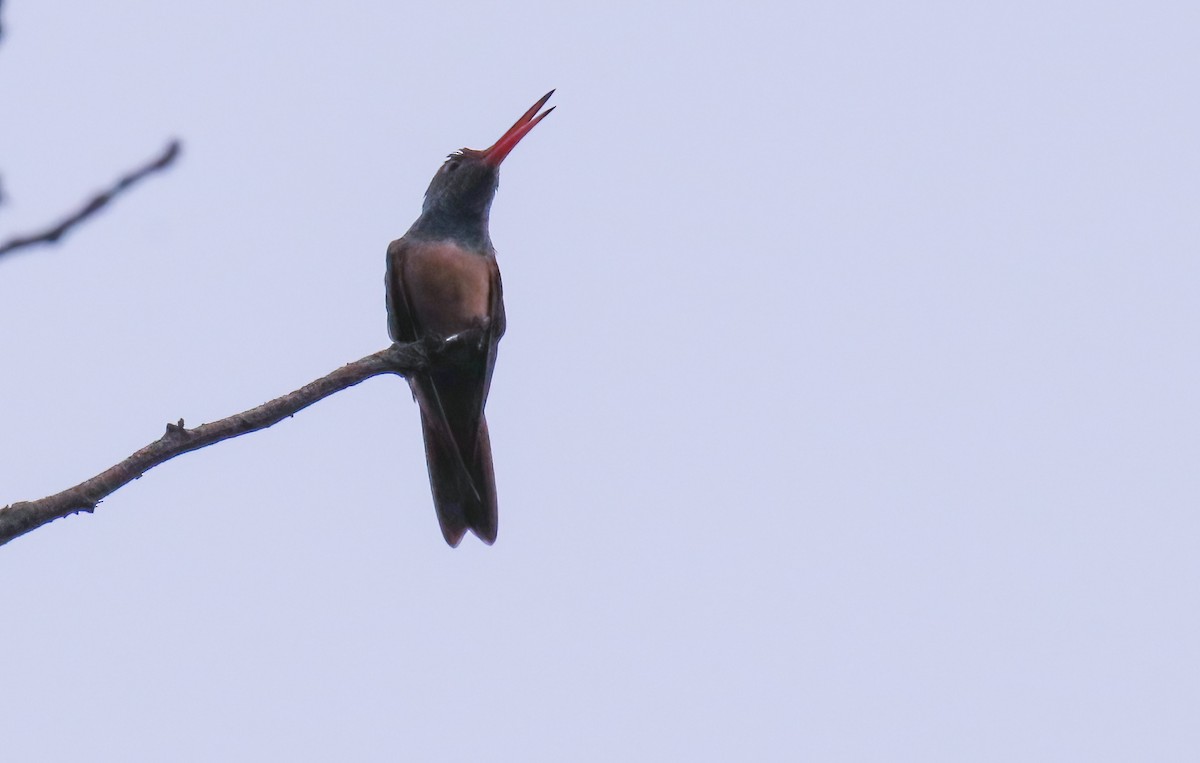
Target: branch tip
(23, 516)
(54, 233)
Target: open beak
(510, 139)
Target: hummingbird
(443, 285)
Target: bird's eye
(451, 166)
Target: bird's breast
(449, 287)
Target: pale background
(848, 409)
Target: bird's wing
(402, 325)
(494, 329)
(497, 323)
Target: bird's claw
(459, 348)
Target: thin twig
(20, 518)
(98, 202)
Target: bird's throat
(469, 230)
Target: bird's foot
(459, 349)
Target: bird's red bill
(510, 139)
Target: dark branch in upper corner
(98, 202)
(21, 517)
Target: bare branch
(101, 200)
(20, 518)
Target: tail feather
(464, 501)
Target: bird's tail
(465, 498)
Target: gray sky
(847, 411)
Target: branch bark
(22, 517)
(98, 202)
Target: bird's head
(466, 183)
